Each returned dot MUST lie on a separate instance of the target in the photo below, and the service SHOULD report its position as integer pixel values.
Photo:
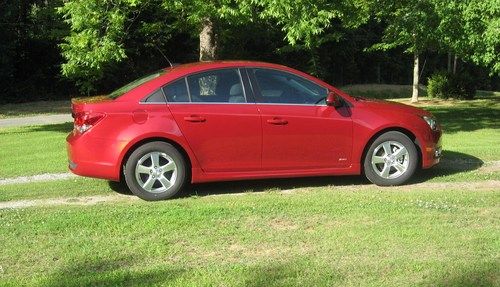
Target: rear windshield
(119, 92)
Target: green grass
(314, 237)
(35, 108)
(78, 186)
(33, 150)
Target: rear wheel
(391, 159)
(155, 171)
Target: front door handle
(277, 121)
(195, 119)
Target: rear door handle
(195, 119)
(277, 121)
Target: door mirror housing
(334, 100)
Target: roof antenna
(170, 63)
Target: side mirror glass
(332, 99)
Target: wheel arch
(404, 131)
(141, 142)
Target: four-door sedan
(219, 121)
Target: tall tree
(204, 17)
(410, 24)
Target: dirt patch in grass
(492, 166)
(84, 200)
(277, 224)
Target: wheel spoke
(148, 185)
(143, 169)
(399, 167)
(155, 159)
(385, 171)
(387, 148)
(377, 159)
(400, 152)
(164, 181)
(168, 167)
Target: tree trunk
(208, 43)
(455, 65)
(449, 63)
(414, 95)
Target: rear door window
(217, 86)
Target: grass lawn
(312, 237)
(33, 150)
(78, 186)
(35, 108)
(442, 231)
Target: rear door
(221, 124)
(299, 130)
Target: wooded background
(54, 49)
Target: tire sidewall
(129, 171)
(412, 165)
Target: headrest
(236, 89)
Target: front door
(299, 130)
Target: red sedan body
(241, 140)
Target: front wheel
(391, 159)
(155, 171)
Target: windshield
(119, 92)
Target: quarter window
(218, 86)
(285, 88)
(156, 97)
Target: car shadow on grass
(59, 128)
(451, 163)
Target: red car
(234, 120)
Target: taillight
(85, 120)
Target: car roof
(204, 65)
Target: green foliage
(304, 21)
(410, 24)
(446, 85)
(97, 30)
(437, 85)
(470, 28)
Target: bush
(457, 86)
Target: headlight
(431, 122)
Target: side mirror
(332, 99)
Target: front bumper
(432, 149)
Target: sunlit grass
(33, 150)
(313, 237)
(78, 186)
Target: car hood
(392, 106)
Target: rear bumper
(93, 157)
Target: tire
(155, 171)
(392, 159)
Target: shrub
(437, 85)
(445, 85)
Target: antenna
(170, 63)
